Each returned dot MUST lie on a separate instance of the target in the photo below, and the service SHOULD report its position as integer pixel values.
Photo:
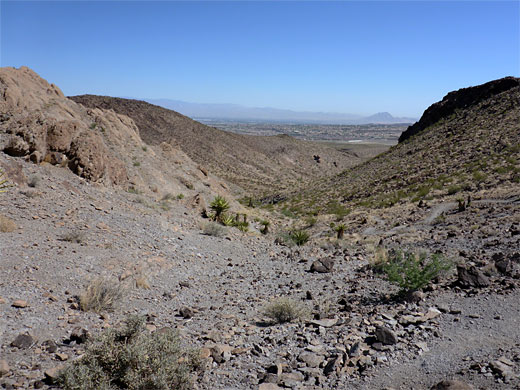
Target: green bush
(284, 310)
(340, 230)
(411, 271)
(133, 359)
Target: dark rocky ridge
(462, 98)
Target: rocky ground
(214, 290)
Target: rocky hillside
(38, 123)
(256, 164)
(467, 142)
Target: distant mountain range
(236, 112)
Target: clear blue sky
(356, 57)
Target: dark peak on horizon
(461, 98)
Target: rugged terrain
(251, 162)
(62, 228)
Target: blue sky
(355, 57)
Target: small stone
(2, 301)
(49, 346)
(79, 335)
(62, 356)
(23, 341)
(311, 359)
(385, 335)
(186, 312)
(52, 374)
(4, 368)
(20, 304)
(325, 265)
(326, 323)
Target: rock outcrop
(461, 98)
(38, 122)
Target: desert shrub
(219, 205)
(137, 164)
(132, 358)
(7, 225)
(299, 237)
(412, 271)
(101, 295)
(75, 236)
(284, 310)
(33, 181)
(213, 229)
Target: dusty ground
(227, 281)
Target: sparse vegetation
(132, 358)
(213, 229)
(265, 226)
(283, 310)
(75, 236)
(33, 181)
(101, 295)
(412, 271)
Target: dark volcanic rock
(462, 98)
(322, 265)
(471, 277)
(385, 335)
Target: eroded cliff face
(38, 122)
(462, 98)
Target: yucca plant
(299, 237)
(340, 230)
(4, 183)
(227, 220)
(265, 226)
(219, 205)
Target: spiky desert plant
(4, 183)
(227, 220)
(299, 237)
(340, 230)
(265, 226)
(219, 205)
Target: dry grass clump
(132, 358)
(101, 295)
(75, 236)
(7, 225)
(213, 229)
(283, 310)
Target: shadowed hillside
(467, 142)
(257, 164)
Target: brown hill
(257, 164)
(467, 142)
(38, 123)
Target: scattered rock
(4, 368)
(23, 341)
(20, 304)
(324, 265)
(471, 277)
(186, 312)
(385, 335)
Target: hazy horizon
(335, 57)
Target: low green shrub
(412, 271)
(132, 358)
